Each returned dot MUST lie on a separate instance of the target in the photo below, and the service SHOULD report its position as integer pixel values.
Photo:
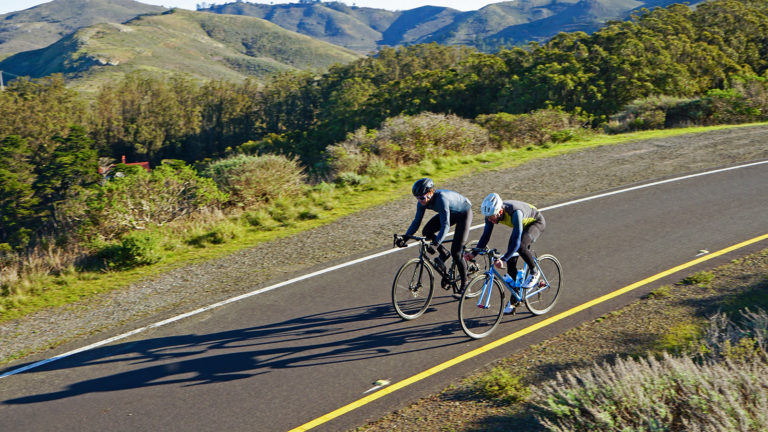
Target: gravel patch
(541, 182)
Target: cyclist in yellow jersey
(527, 224)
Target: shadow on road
(307, 341)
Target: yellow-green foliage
(701, 278)
(679, 336)
(251, 180)
(501, 385)
(536, 128)
(660, 292)
(406, 140)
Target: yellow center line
(516, 335)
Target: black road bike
(414, 283)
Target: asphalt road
(277, 360)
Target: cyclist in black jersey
(527, 224)
(452, 209)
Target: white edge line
(333, 268)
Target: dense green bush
(744, 100)
(646, 114)
(536, 128)
(502, 386)
(139, 248)
(137, 199)
(355, 154)
(409, 139)
(251, 180)
(406, 140)
(136, 248)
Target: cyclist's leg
(530, 235)
(461, 234)
(525, 251)
(430, 232)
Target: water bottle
(508, 279)
(520, 278)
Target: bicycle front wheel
(412, 289)
(481, 306)
(547, 289)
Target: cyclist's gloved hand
(400, 242)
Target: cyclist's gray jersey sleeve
(416, 220)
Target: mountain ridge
(43, 25)
(204, 46)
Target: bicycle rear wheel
(479, 264)
(548, 287)
(481, 307)
(412, 289)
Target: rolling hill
(42, 25)
(498, 24)
(203, 45)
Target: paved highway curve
(306, 354)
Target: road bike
(482, 304)
(413, 287)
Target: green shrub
(409, 139)
(536, 128)
(376, 168)
(502, 386)
(350, 179)
(701, 278)
(140, 248)
(141, 199)
(251, 180)
(271, 143)
(649, 113)
(660, 292)
(405, 140)
(134, 249)
(745, 99)
(216, 235)
(355, 153)
(258, 218)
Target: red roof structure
(105, 170)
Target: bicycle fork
(484, 302)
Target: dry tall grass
(721, 386)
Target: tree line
(711, 65)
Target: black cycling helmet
(422, 186)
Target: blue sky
(463, 5)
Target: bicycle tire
(551, 280)
(478, 322)
(412, 289)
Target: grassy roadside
(328, 203)
(668, 319)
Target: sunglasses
(422, 197)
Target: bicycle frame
(423, 254)
(517, 291)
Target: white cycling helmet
(491, 205)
